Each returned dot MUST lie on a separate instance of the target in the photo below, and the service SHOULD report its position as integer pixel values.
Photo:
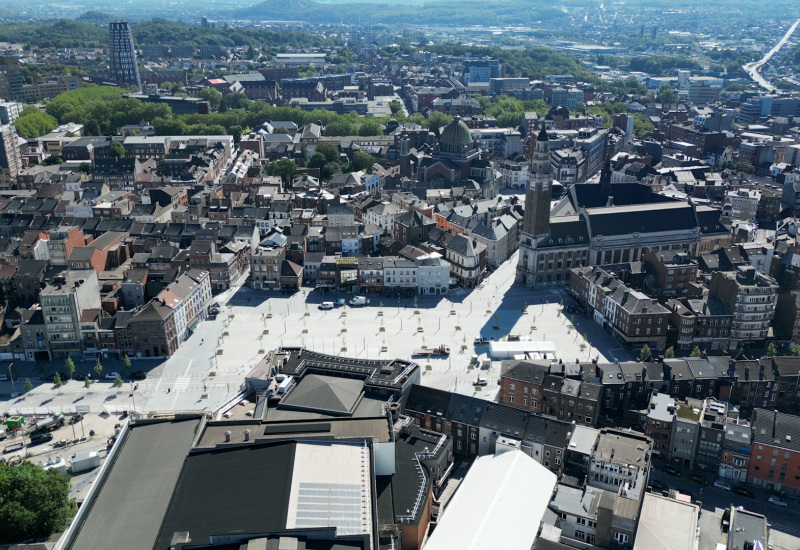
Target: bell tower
(536, 223)
(540, 189)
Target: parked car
(40, 437)
(697, 478)
(326, 305)
(112, 375)
(658, 485)
(777, 502)
(514, 337)
(672, 470)
(138, 375)
(744, 492)
(719, 484)
(481, 340)
(481, 382)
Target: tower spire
(605, 174)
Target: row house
(153, 330)
(701, 322)
(466, 255)
(187, 296)
(480, 427)
(64, 302)
(634, 318)
(775, 452)
(528, 385)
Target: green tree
(670, 353)
(285, 168)
(69, 364)
(771, 350)
(34, 503)
(213, 96)
(370, 128)
(641, 125)
(645, 354)
(437, 120)
(362, 161)
(28, 384)
(86, 382)
(117, 150)
(341, 127)
(57, 381)
(328, 150)
(52, 160)
(85, 168)
(98, 368)
(34, 123)
(126, 364)
(396, 107)
(666, 94)
(331, 169)
(317, 160)
(796, 350)
(236, 132)
(118, 382)
(696, 352)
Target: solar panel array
(337, 505)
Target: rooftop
(622, 447)
(134, 497)
(667, 524)
(513, 491)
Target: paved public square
(209, 368)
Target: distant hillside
(491, 12)
(8, 14)
(444, 12)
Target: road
(714, 500)
(754, 68)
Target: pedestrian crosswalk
(182, 383)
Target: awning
(194, 325)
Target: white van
(481, 381)
(326, 305)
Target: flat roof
(129, 509)
(583, 439)
(241, 489)
(500, 504)
(377, 428)
(666, 524)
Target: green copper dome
(454, 136)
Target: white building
(741, 204)
(433, 274)
(500, 504)
(383, 215)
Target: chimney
(247, 435)
(610, 201)
(774, 423)
(227, 436)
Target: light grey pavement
(208, 369)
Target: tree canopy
(34, 503)
(33, 123)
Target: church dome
(455, 135)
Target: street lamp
(11, 377)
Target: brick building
(775, 455)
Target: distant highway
(754, 68)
